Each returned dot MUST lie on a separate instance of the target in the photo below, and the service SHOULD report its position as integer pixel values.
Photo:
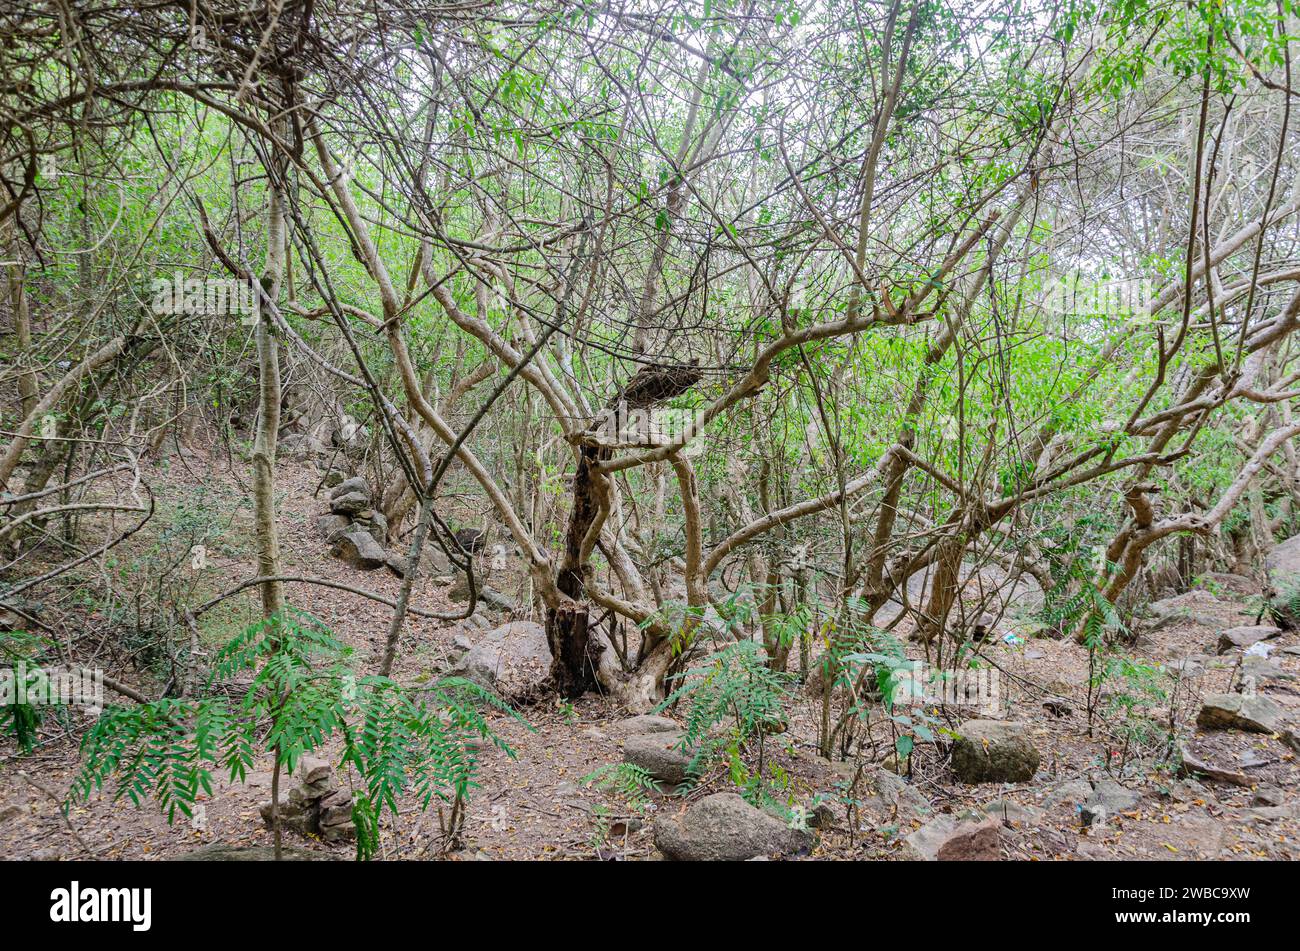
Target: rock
(313, 769)
(647, 723)
(1114, 797)
(945, 839)
(892, 796)
(725, 828)
(1108, 799)
(438, 562)
(333, 478)
(300, 447)
(1268, 796)
(1282, 567)
(378, 527)
(1256, 670)
(994, 751)
(1190, 604)
(1243, 637)
(821, 816)
(350, 503)
(1232, 584)
(513, 655)
(333, 527)
(301, 816)
(1012, 813)
(1192, 765)
(347, 486)
(659, 755)
(1233, 711)
(359, 550)
(1074, 791)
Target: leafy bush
(396, 740)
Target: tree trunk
(574, 655)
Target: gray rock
(994, 751)
(647, 723)
(1109, 798)
(359, 550)
(659, 755)
(1014, 813)
(892, 796)
(1233, 711)
(313, 769)
(1243, 637)
(1232, 583)
(1074, 791)
(355, 484)
(333, 527)
(513, 655)
(947, 839)
(333, 478)
(350, 503)
(1190, 604)
(379, 527)
(1268, 796)
(1282, 567)
(725, 828)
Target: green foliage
(733, 702)
(397, 740)
(24, 719)
(634, 783)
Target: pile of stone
(356, 532)
(317, 806)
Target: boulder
(1230, 583)
(648, 723)
(1108, 799)
(378, 527)
(1243, 637)
(892, 796)
(347, 486)
(1190, 604)
(350, 503)
(725, 828)
(994, 751)
(513, 655)
(300, 447)
(948, 839)
(1234, 711)
(1282, 567)
(659, 755)
(359, 550)
(333, 527)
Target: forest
(695, 430)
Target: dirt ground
(536, 805)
